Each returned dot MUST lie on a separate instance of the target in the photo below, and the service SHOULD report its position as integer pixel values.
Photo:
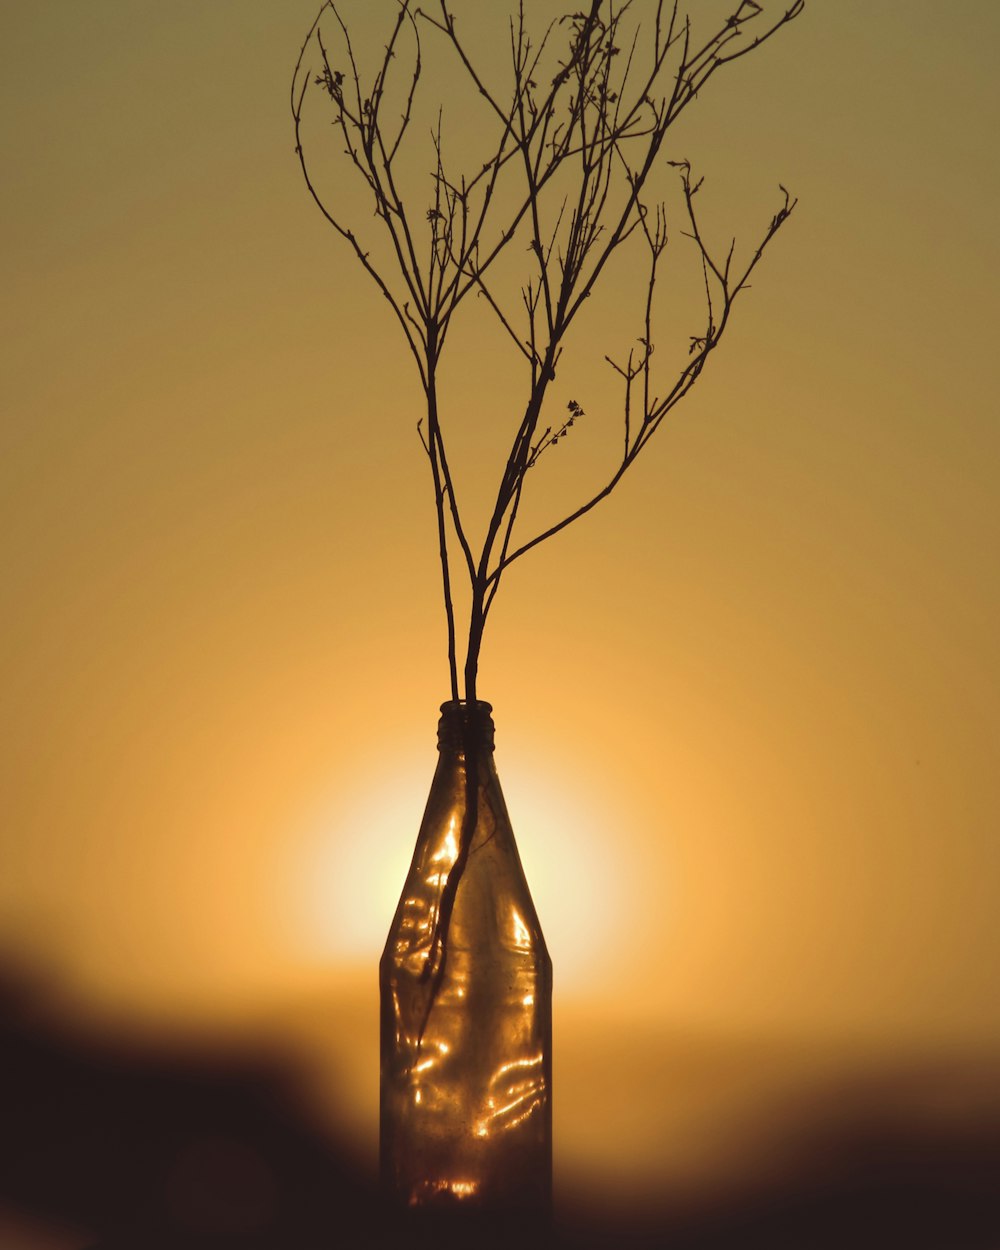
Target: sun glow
(354, 852)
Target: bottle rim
(458, 718)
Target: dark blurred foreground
(192, 1147)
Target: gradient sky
(746, 711)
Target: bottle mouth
(459, 718)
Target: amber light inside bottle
(466, 988)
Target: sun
(354, 851)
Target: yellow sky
(746, 712)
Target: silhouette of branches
(578, 127)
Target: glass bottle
(466, 995)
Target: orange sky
(746, 712)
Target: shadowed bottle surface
(466, 991)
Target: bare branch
(702, 347)
(568, 171)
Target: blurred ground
(116, 1139)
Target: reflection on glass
(466, 990)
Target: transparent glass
(466, 1002)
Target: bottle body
(466, 988)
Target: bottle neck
(465, 727)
